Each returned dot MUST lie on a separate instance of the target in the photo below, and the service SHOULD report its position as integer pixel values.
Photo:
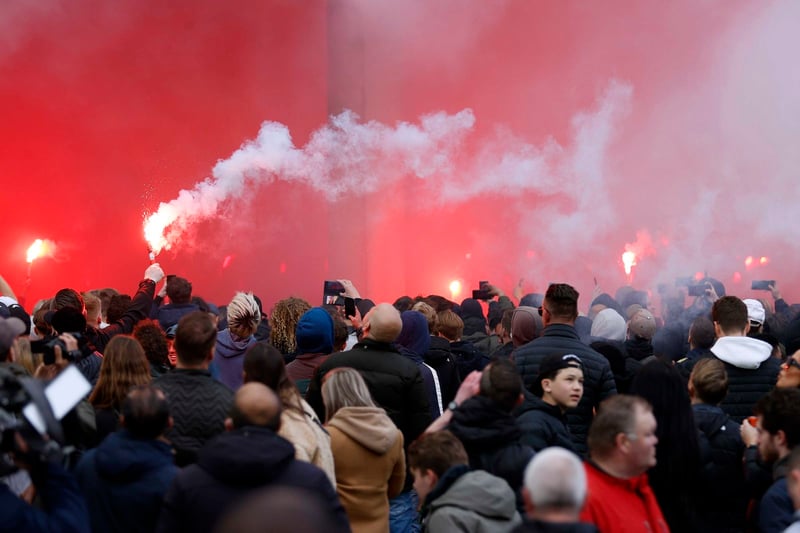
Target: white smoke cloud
(348, 157)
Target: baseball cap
(755, 311)
(643, 324)
(550, 365)
(10, 329)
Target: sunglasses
(789, 363)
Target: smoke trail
(349, 157)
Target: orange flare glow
(629, 260)
(40, 248)
(748, 261)
(764, 260)
(455, 289)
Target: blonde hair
(430, 315)
(344, 387)
(243, 315)
(26, 357)
(93, 307)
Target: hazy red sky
(676, 119)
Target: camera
(47, 347)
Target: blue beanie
(314, 332)
(414, 336)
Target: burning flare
(40, 248)
(455, 289)
(628, 260)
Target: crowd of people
(509, 413)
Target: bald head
(383, 323)
(255, 404)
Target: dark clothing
(199, 406)
(638, 348)
(686, 364)
(492, 439)
(302, 369)
(430, 379)
(170, 314)
(468, 358)
(106, 421)
(124, 480)
(775, 511)
(598, 379)
(233, 465)
(443, 362)
(89, 365)
(394, 382)
(63, 507)
(229, 357)
(138, 311)
(724, 498)
(543, 425)
(752, 373)
(538, 526)
(504, 350)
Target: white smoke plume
(350, 157)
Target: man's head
(255, 405)
(179, 290)
(145, 412)
(10, 330)
(430, 456)
(382, 323)
(642, 325)
(243, 315)
(523, 326)
(93, 309)
(555, 486)
(708, 382)
(729, 314)
(195, 339)
(778, 423)
(68, 298)
(701, 333)
(501, 383)
(560, 305)
(430, 315)
(789, 375)
(622, 437)
(451, 327)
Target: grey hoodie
(477, 502)
(368, 426)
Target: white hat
(755, 311)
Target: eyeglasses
(791, 362)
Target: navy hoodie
(414, 342)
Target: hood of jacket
(609, 325)
(314, 332)
(230, 346)
(414, 336)
(483, 424)
(439, 352)
(742, 352)
(123, 458)
(709, 418)
(368, 426)
(479, 492)
(248, 456)
(535, 403)
(523, 325)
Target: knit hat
(523, 325)
(10, 329)
(314, 332)
(643, 324)
(550, 366)
(755, 312)
(414, 336)
(609, 325)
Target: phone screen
(349, 307)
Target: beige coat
(312, 443)
(370, 465)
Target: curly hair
(283, 323)
(124, 367)
(153, 341)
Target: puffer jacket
(598, 379)
(543, 425)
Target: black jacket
(722, 477)
(169, 315)
(393, 380)
(199, 405)
(543, 425)
(468, 358)
(442, 360)
(598, 379)
(539, 526)
(138, 311)
(232, 465)
(492, 439)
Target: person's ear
(546, 385)
(780, 437)
(229, 424)
(520, 399)
(691, 389)
(170, 423)
(526, 498)
(747, 328)
(622, 442)
(717, 330)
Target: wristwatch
(452, 405)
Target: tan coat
(312, 443)
(370, 465)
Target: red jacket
(621, 505)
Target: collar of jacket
(370, 344)
(560, 330)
